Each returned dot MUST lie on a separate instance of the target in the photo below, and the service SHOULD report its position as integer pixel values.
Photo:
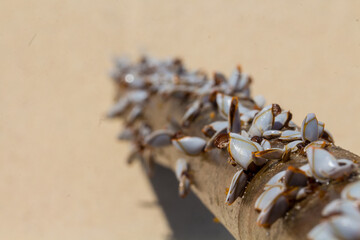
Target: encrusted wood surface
(212, 174)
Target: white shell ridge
(241, 148)
(181, 167)
(345, 227)
(265, 144)
(292, 145)
(290, 135)
(322, 231)
(189, 145)
(343, 207)
(159, 138)
(351, 191)
(137, 96)
(191, 113)
(259, 101)
(262, 122)
(324, 166)
(321, 163)
(276, 180)
(309, 128)
(266, 198)
(223, 102)
(282, 120)
(237, 187)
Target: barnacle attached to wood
(276, 167)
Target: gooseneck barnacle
(222, 119)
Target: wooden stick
(211, 175)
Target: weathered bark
(212, 174)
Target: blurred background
(63, 174)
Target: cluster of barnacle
(286, 187)
(252, 133)
(342, 216)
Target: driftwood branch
(211, 174)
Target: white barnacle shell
(189, 145)
(137, 96)
(290, 135)
(245, 134)
(345, 168)
(322, 231)
(245, 110)
(247, 116)
(133, 81)
(195, 78)
(181, 167)
(241, 148)
(144, 130)
(237, 187)
(351, 191)
(265, 144)
(345, 227)
(321, 128)
(334, 207)
(324, 166)
(292, 145)
(274, 210)
(282, 120)
(119, 107)
(265, 199)
(276, 180)
(306, 168)
(134, 113)
(126, 134)
(223, 102)
(238, 81)
(318, 143)
(205, 89)
(269, 134)
(337, 227)
(192, 112)
(214, 127)
(184, 186)
(262, 122)
(343, 207)
(234, 116)
(159, 138)
(259, 101)
(309, 128)
(321, 163)
(302, 193)
(181, 172)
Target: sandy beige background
(62, 174)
